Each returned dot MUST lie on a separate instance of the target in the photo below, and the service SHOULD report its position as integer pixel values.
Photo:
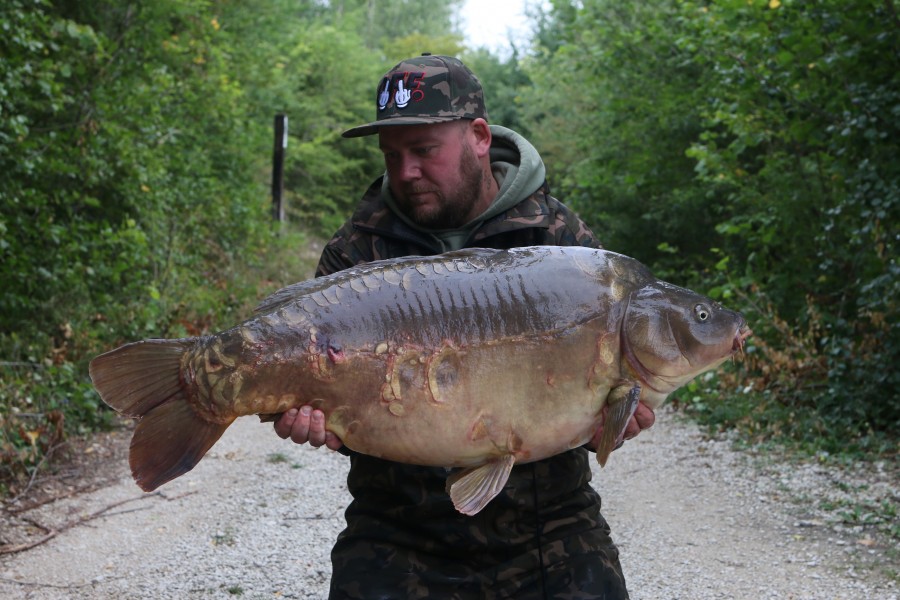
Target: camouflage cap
(425, 89)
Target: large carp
(478, 359)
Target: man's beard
(453, 210)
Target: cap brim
(373, 127)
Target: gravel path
(694, 520)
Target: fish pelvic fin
(622, 401)
(471, 489)
(169, 441)
(143, 380)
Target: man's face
(433, 172)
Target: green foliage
(610, 110)
(135, 145)
(382, 23)
(124, 190)
(503, 80)
(329, 94)
(800, 139)
(400, 48)
(40, 404)
(747, 148)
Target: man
(453, 181)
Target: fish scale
(475, 360)
(481, 309)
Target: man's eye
(424, 150)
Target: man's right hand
(306, 425)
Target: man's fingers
(643, 418)
(316, 429)
(300, 427)
(284, 423)
(632, 429)
(332, 442)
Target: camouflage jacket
(374, 232)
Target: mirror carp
(476, 360)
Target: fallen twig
(90, 487)
(103, 512)
(34, 473)
(46, 585)
(14, 510)
(15, 548)
(54, 447)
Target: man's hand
(306, 425)
(643, 418)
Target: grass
(277, 458)
(224, 538)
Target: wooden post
(281, 138)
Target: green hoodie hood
(519, 171)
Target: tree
(747, 147)
(614, 110)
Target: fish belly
(460, 406)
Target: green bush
(131, 199)
(746, 149)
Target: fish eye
(701, 312)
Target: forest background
(747, 149)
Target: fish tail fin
(169, 441)
(143, 380)
(136, 378)
(622, 402)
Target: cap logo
(424, 90)
(402, 88)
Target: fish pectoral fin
(471, 489)
(622, 401)
(169, 441)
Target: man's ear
(481, 133)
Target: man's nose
(408, 169)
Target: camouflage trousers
(542, 537)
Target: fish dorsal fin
(471, 489)
(289, 293)
(474, 258)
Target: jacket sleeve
(332, 260)
(567, 228)
(340, 253)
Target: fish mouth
(740, 336)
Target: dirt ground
(693, 518)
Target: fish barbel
(476, 359)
